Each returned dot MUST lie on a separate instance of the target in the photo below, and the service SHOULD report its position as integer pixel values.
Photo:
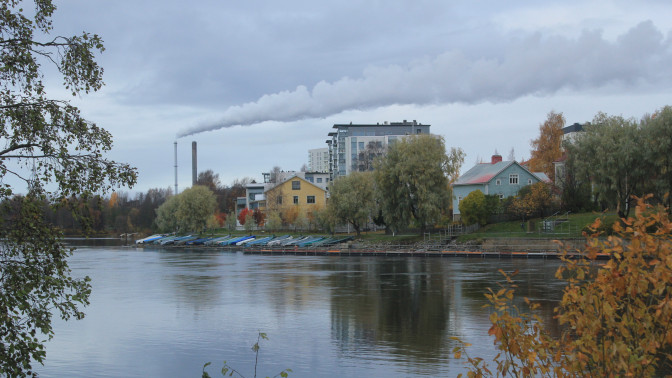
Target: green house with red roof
(501, 178)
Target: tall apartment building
(353, 147)
(318, 160)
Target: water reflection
(194, 278)
(413, 306)
(163, 311)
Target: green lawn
(570, 229)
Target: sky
(258, 83)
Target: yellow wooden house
(294, 192)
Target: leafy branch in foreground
(616, 316)
(49, 152)
(228, 369)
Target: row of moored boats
(247, 241)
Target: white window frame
(296, 200)
(310, 199)
(498, 182)
(529, 181)
(513, 179)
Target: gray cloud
(532, 65)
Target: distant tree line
(121, 212)
(116, 213)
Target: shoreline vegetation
(535, 238)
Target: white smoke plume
(535, 65)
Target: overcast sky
(259, 83)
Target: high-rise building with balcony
(353, 147)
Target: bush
(473, 208)
(615, 316)
(606, 226)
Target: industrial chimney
(194, 166)
(175, 167)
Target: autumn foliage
(547, 148)
(616, 316)
(532, 201)
(259, 217)
(243, 215)
(221, 218)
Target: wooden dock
(409, 253)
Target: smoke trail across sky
(534, 65)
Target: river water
(165, 312)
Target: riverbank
(489, 248)
(446, 253)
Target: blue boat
(278, 240)
(199, 241)
(176, 240)
(295, 241)
(310, 241)
(149, 239)
(161, 240)
(245, 241)
(217, 240)
(337, 241)
(233, 240)
(261, 241)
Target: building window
(310, 179)
(418, 131)
(296, 185)
(310, 199)
(296, 200)
(459, 199)
(498, 182)
(319, 180)
(529, 181)
(279, 200)
(513, 179)
(361, 145)
(501, 196)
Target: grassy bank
(570, 227)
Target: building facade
(353, 147)
(569, 135)
(318, 160)
(294, 192)
(320, 179)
